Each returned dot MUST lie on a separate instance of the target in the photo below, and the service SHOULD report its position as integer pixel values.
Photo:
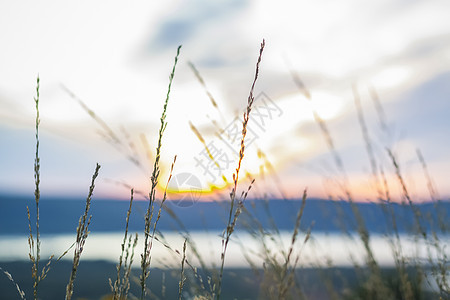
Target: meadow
(275, 265)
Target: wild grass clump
(34, 238)
(279, 268)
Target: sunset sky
(116, 57)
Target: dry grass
(34, 241)
(232, 219)
(121, 285)
(182, 275)
(82, 234)
(16, 285)
(148, 240)
(278, 275)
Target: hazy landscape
(274, 246)
(284, 167)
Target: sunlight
(326, 105)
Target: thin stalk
(284, 286)
(145, 256)
(82, 234)
(37, 194)
(182, 276)
(230, 226)
(120, 285)
(35, 247)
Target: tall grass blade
(230, 226)
(145, 256)
(82, 234)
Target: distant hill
(61, 215)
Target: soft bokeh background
(116, 57)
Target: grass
(281, 274)
(146, 255)
(82, 234)
(234, 213)
(121, 286)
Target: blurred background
(338, 80)
(116, 58)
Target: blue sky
(117, 59)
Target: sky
(115, 59)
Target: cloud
(188, 20)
